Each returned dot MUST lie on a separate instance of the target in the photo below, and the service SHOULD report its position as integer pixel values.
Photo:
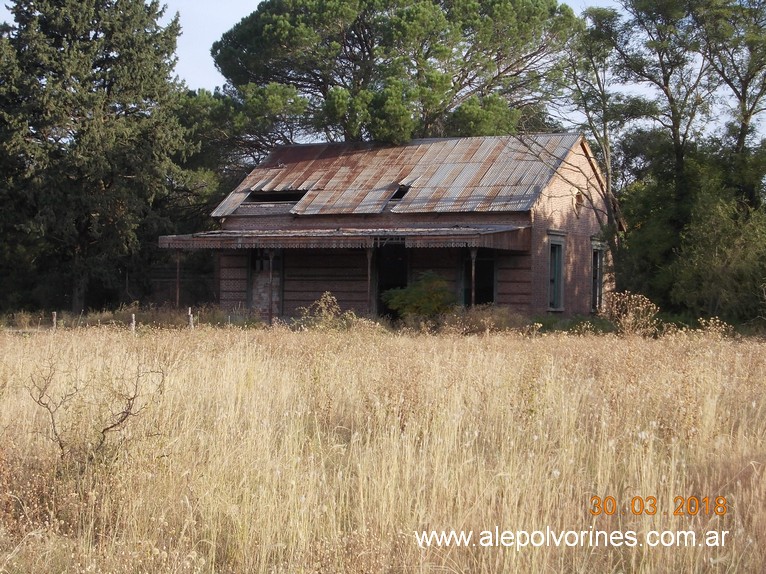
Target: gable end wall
(555, 212)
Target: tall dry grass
(324, 451)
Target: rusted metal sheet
(507, 237)
(447, 175)
(236, 197)
(510, 174)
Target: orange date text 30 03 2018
(648, 505)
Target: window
(259, 261)
(556, 275)
(597, 281)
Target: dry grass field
(276, 451)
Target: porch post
(271, 286)
(474, 252)
(369, 280)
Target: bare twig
(40, 391)
(124, 405)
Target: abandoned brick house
(511, 220)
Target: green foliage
(593, 88)
(341, 108)
(266, 116)
(655, 48)
(391, 70)
(392, 120)
(231, 132)
(721, 268)
(732, 37)
(428, 296)
(679, 190)
(714, 266)
(649, 248)
(88, 122)
(487, 116)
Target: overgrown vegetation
(623, 313)
(326, 450)
(104, 405)
(325, 314)
(126, 315)
(426, 297)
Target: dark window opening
(392, 274)
(555, 289)
(597, 285)
(485, 278)
(287, 196)
(400, 192)
(259, 261)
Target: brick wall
(514, 280)
(233, 274)
(556, 216)
(308, 273)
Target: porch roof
(505, 237)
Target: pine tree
(88, 128)
(391, 70)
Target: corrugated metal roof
(446, 175)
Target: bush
(632, 314)
(325, 314)
(428, 296)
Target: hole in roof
(286, 196)
(400, 192)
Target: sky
(203, 23)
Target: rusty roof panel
(485, 151)
(234, 199)
(445, 175)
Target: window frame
(598, 255)
(556, 275)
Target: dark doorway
(485, 278)
(392, 274)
